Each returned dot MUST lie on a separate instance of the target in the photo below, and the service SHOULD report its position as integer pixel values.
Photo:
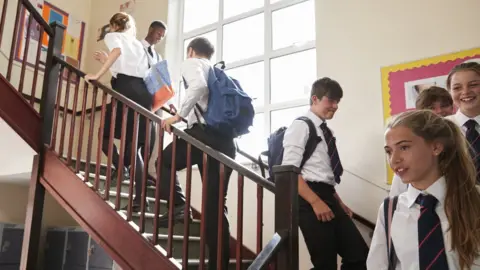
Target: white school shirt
(460, 119)
(156, 57)
(404, 232)
(132, 60)
(397, 187)
(195, 72)
(317, 168)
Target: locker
(11, 246)
(77, 249)
(55, 246)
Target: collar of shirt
(437, 189)
(462, 118)
(315, 119)
(146, 44)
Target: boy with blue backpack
(325, 221)
(217, 110)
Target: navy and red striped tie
(431, 247)
(473, 138)
(332, 152)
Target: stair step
(178, 229)
(124, 187)
(195, 263)
(177, 248)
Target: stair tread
(150, 215)
(104, 178)
(174, 237)
(197, 261)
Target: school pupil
(435, 224)
(463, 82)
(325, 221)
(436, 99)
(127, 60)
(195, 70)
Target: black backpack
(275, 148)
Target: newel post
(286, 215)
(36, 194)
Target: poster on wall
(402, 83)
(72, 40)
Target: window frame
(267, 107)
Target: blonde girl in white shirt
(127, 61)
(431, 154)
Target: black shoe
(125, 176)
(178, 216)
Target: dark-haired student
(325, 221)
(195, 71)
(436, 99)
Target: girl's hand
(91, 77)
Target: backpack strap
(312, 141)
(389, 207)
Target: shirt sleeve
(377, 257)
(397, 187)
(112, 41)
(294, 142)
(194, 75)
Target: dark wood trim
(38, 17)
(130, 251)
(19, 114)
(69, 111)
(33, 220)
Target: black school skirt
(134, 89)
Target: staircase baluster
(2, 20)
(100, 142)
(221, 206)
(186, 218)
(53, 145)
(14, 40)
(65, 112)
(90, 135)
(82, 128)
(37, 64)
(122, 155)
(239, 222)
(73, 119)
(108, 181)
(203, 228)
(171, 201)
(259, 218)
(133, 165)
(146, 158)
(25, 53)
(159, 166)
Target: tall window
(268, 46)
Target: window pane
(251, 78)
(254, 142)
(199, 13)
(292, 76)
(293, 25)
(285, 117)
(211, 36)
(243, 39)
(235, 7)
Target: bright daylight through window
(268, 46)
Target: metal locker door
(55, 249)
(98, 258)
(11, 246)
(77, 248)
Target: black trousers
(326, 240)
(134, 89)
(219, 143)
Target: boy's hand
(322, 211)
(347, 210)
(167, 123)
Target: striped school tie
(431, 247)
(473, 138)
(332, 152)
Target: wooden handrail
(38, 17)
(180, 133)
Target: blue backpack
(275, 148)
(230, 110)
